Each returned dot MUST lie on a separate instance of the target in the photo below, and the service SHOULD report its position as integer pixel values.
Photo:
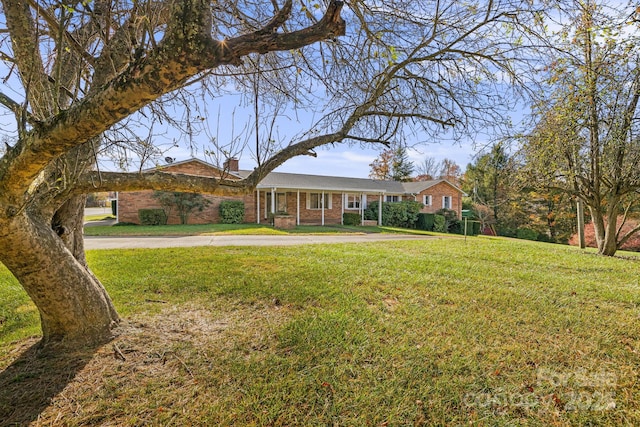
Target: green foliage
(526, 233)
(184, 203)
(425, 221)
(231, 212)
(506, 232)
(440, 223)
(452, 223)
(401, 167)
(152, 217)
(392, 164)
(350, 218)
(398, 214)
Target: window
(427, 200)
(392, 199)
(281, 203)
(446, 202)
(314, 200)
(353, 201)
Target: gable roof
(294, 181)
(194, 160)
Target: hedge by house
(152, 217)
(397, 214)
(231, 212)
(425, 221)
(350, 218)
(439, 223)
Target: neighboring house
(311, 199)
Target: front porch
(313, 207)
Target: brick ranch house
(309, 199)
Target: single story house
(310, 199)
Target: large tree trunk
(74, 306)
(605, 232)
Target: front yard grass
(221, 229)
(436, 332)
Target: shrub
(231, 212)
(526, 233)
(506, 232)
(543, 238)
(439, 224)
(398, 214)
(425, 221)
(185, 203)
(350, 218)
(152, 217)
(452, 223)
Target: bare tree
(428, 169)
(82, 70)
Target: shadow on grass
(28, 385)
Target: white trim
(258, 207)
(322, 204)
(380, 210)
(427, 199)
(298, 208)
(273, 200)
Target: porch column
(380, 210)
(342, 216)
(258, 208)
(361, 208)
(273, 200)
(298, 208)
(322, 205)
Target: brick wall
(437, 192)
(130, 202)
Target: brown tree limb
(157, 180)
(163, 70)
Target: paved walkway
(238, 240)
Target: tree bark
(74, 306)
(605, 231)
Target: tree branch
(51, 21)
(156, 180)
(18, 110)
(163, 70)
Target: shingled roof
(294, 181)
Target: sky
(344, 159)
(349, 160)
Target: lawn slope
(437, 332)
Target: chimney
(231, 165)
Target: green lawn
(200, 229)
(439, 332)
(98, 217)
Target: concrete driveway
(238, 240)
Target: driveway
(92, 242)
